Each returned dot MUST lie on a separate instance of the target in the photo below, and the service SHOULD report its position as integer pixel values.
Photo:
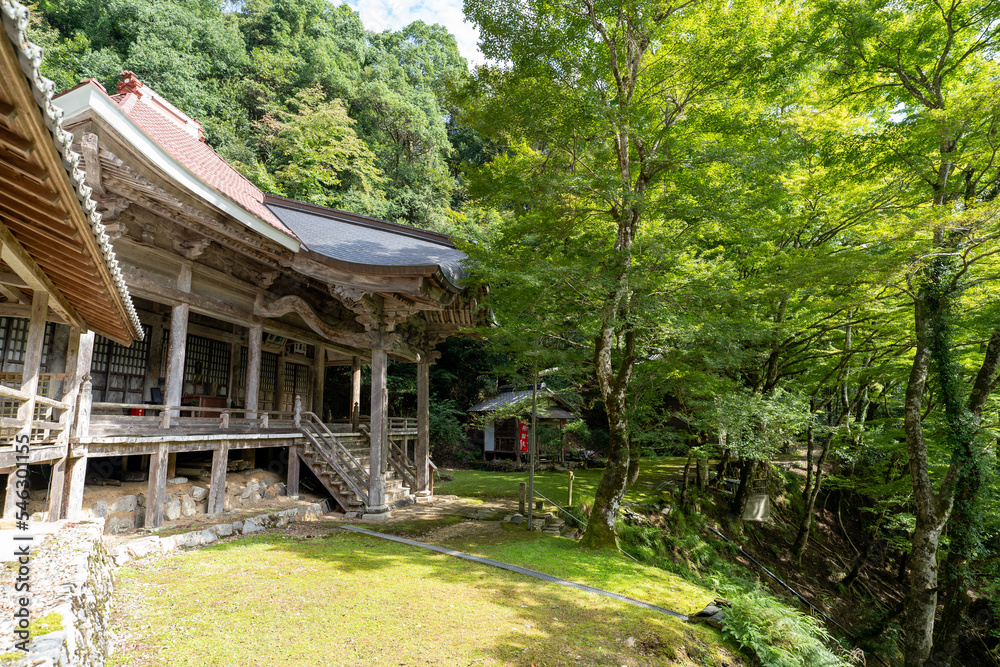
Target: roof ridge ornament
(130, 83)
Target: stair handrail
(315, 422)
(353, 473)
(402, 464)
(348, 476)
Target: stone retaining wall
(155, 544)
(72, 573)
(71, 584)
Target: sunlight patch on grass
(356, 600)
(554, 485)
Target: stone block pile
(129, 512)
(155, 544)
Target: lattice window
(118, 373)
(296, 383)
(208, 359)
(17, 341)
(14, 341)
(268, 380)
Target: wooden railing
(395, 423)
(403, 465)
(29, 422)
(402, 423)
(178, 415)
(326, 444)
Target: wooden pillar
(175, 356)
(319, 380)
(178, 344)
(422, 451)
(171, 466)
(76, 475)
(294, 469)
(153, 370)
(84, 358)
(254, 344)
(70, 391)
(377, 508)
(217, 487)
(10, 508)
(57, 484)
(355, 392)
(33, 359)
(156, 491)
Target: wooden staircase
(341, 463)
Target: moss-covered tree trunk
(964, 525)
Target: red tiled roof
(181, 136)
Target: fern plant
(777, 634)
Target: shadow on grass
(530, 621)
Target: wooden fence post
(521, 499)
(569, 498)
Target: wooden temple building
(155, 304)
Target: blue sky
(379, 15)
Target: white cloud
(379, 15)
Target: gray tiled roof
(359, 240)
(504, 399)
(514, 397)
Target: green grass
(46, 624)
(351, 599)
(607, 570)
(506, 485)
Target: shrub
(447, 437)
(777, 634)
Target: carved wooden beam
(358, 302)
(92, 163)
(115, 230)
(297, 305)
(191, 248)
(145, 288)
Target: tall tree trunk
(810, 494)
(600, 531)
(964, 523)
(932, 509)
(685, 483)
(702, 474)
(739, 506)
(723, 468)
(633, 463)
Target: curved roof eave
(15, 20)
(75, 102)
(345, 240)
(432, 271)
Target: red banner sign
(522, 440)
